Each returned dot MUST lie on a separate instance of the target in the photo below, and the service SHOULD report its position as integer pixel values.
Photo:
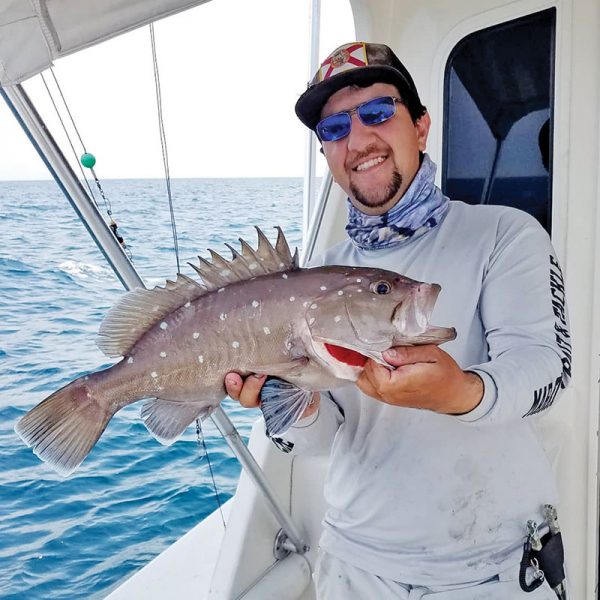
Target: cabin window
(498, 112)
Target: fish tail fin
(64, 427)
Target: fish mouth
(411, 317)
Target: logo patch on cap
(344, 58)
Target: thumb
(410, 355)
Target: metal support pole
(310, 241)
(232, 437)
(310, 162)
(59, 167)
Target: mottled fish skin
(272, 322)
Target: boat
(513, 90)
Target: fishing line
(163, 143)
(107, 204)
(165, 157)
(200, 438)
(66, 131)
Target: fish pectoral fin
(291, 367)
(282, 404)
(166, 420)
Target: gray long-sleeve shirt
(431, 499)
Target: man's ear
(422, 125)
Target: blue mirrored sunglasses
(338, 126)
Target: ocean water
(79, 537)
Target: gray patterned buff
(421, 208)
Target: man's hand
(424, 377)
(247, 391)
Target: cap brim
(311, 103)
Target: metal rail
(310, 154)
(24, 111)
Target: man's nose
(360, 135)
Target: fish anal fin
(166, 420)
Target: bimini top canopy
(37, 32)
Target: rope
(163, 143)
(200, 438)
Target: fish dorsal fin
(138, 310)
(218, 272)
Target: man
(436, 466)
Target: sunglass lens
(377, 110)
(334, 127)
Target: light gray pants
(338, 580)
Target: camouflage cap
(357, 63)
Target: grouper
(309, 329)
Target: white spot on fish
(255, 303)
(323, 288)
(188, 304)
(281, 265)
(337, 318)
(358, 280)
(292, 298)
(164, 325)
(195, 335)
(311, 321)
(129, 360)
(253, 266)
(235, 344)
(155, 308)
(267, 330)
(86, 378)
(313, 306)
(224, 272)
(154, 374)
(163, 354)
(223, 316)
(220, 290)
(200, 358)
(359, 291)
(340, 293)
(285, 274)
(305, 304)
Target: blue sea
(131, 498)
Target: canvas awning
(35, 33)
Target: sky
(230, 73)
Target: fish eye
(381, 287)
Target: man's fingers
(409, 355)
(250, 394)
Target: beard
(380, 197)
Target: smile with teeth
(370, 163)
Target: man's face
(375, 164)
